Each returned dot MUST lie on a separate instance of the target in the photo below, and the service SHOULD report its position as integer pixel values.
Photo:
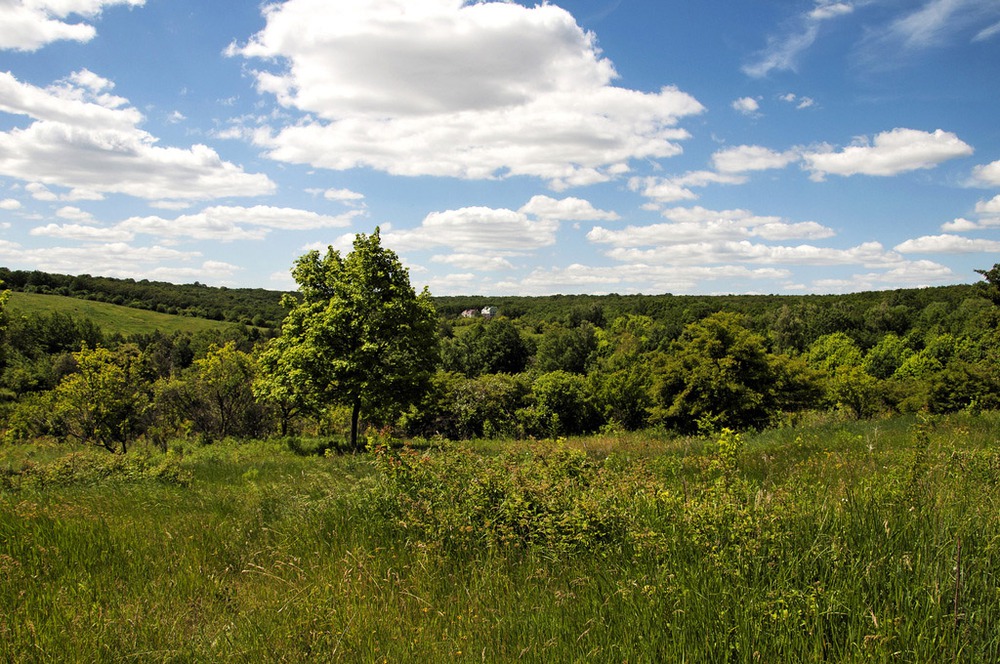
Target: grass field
(832, 541)
(109, 317)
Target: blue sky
(582, 146)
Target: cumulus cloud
(10, 204)
(700, 225)
(85, 138)
(991, 206)
(947, 244)
(751, 158)
(959, 225)
(987, 175)
(449, 88)
(73, 213)
(83, 233)
(678, 188)
(343, 196)
(477, 262)
(746, 106)
(567, 209)
(889, 153)
(31, 24)
(493, 231)
(799, 102)
(230, 223)
(112, 259)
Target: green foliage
(884, 358)
(489, 347)
(90, 469)
(990, 289)
(487, 406)
(718, 374)
(215, 396)
(549, 499)
(832, 351)
(360, 336)
(106, 401)
(566, 349)
(561, 404)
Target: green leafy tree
(566, 349)
(493, 346)
(358, 335)
(106, 402)
(718, 374)
(561, 403)
(215, 395)
(991, 287)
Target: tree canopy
(359, 335)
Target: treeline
(247, 306)
(557, 366)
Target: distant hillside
(110, 318)
(248, 306)
(895, 310)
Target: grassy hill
(110, 318)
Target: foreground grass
(838, 542)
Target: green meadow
(110, 318)
(836, 541)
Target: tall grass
(835, 542)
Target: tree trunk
(355, 416)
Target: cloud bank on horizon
(505, 147)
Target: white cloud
(661, 190)
(73, 214)
(800, 102)
(746, 106)
(86, 139)
(83, 233)
(987, 174)
(890, 153)
(987, 32)
(578, 278)
(40, 192)
(114, 259)
(959, 225)
(30, 24)
(234, 223)
(870, 254)
(947, 244)
(670, 190)
(782, 53)
(476, 262)
(751, 158)
(938, 20)
(991, 206)
(449, 88)
(934, 23)
(494, 231)
(10, 204)
(700, 225)
(567, 209)
(343, 195)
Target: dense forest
(541, 367)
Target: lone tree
(358, 335)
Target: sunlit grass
(836, 541)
